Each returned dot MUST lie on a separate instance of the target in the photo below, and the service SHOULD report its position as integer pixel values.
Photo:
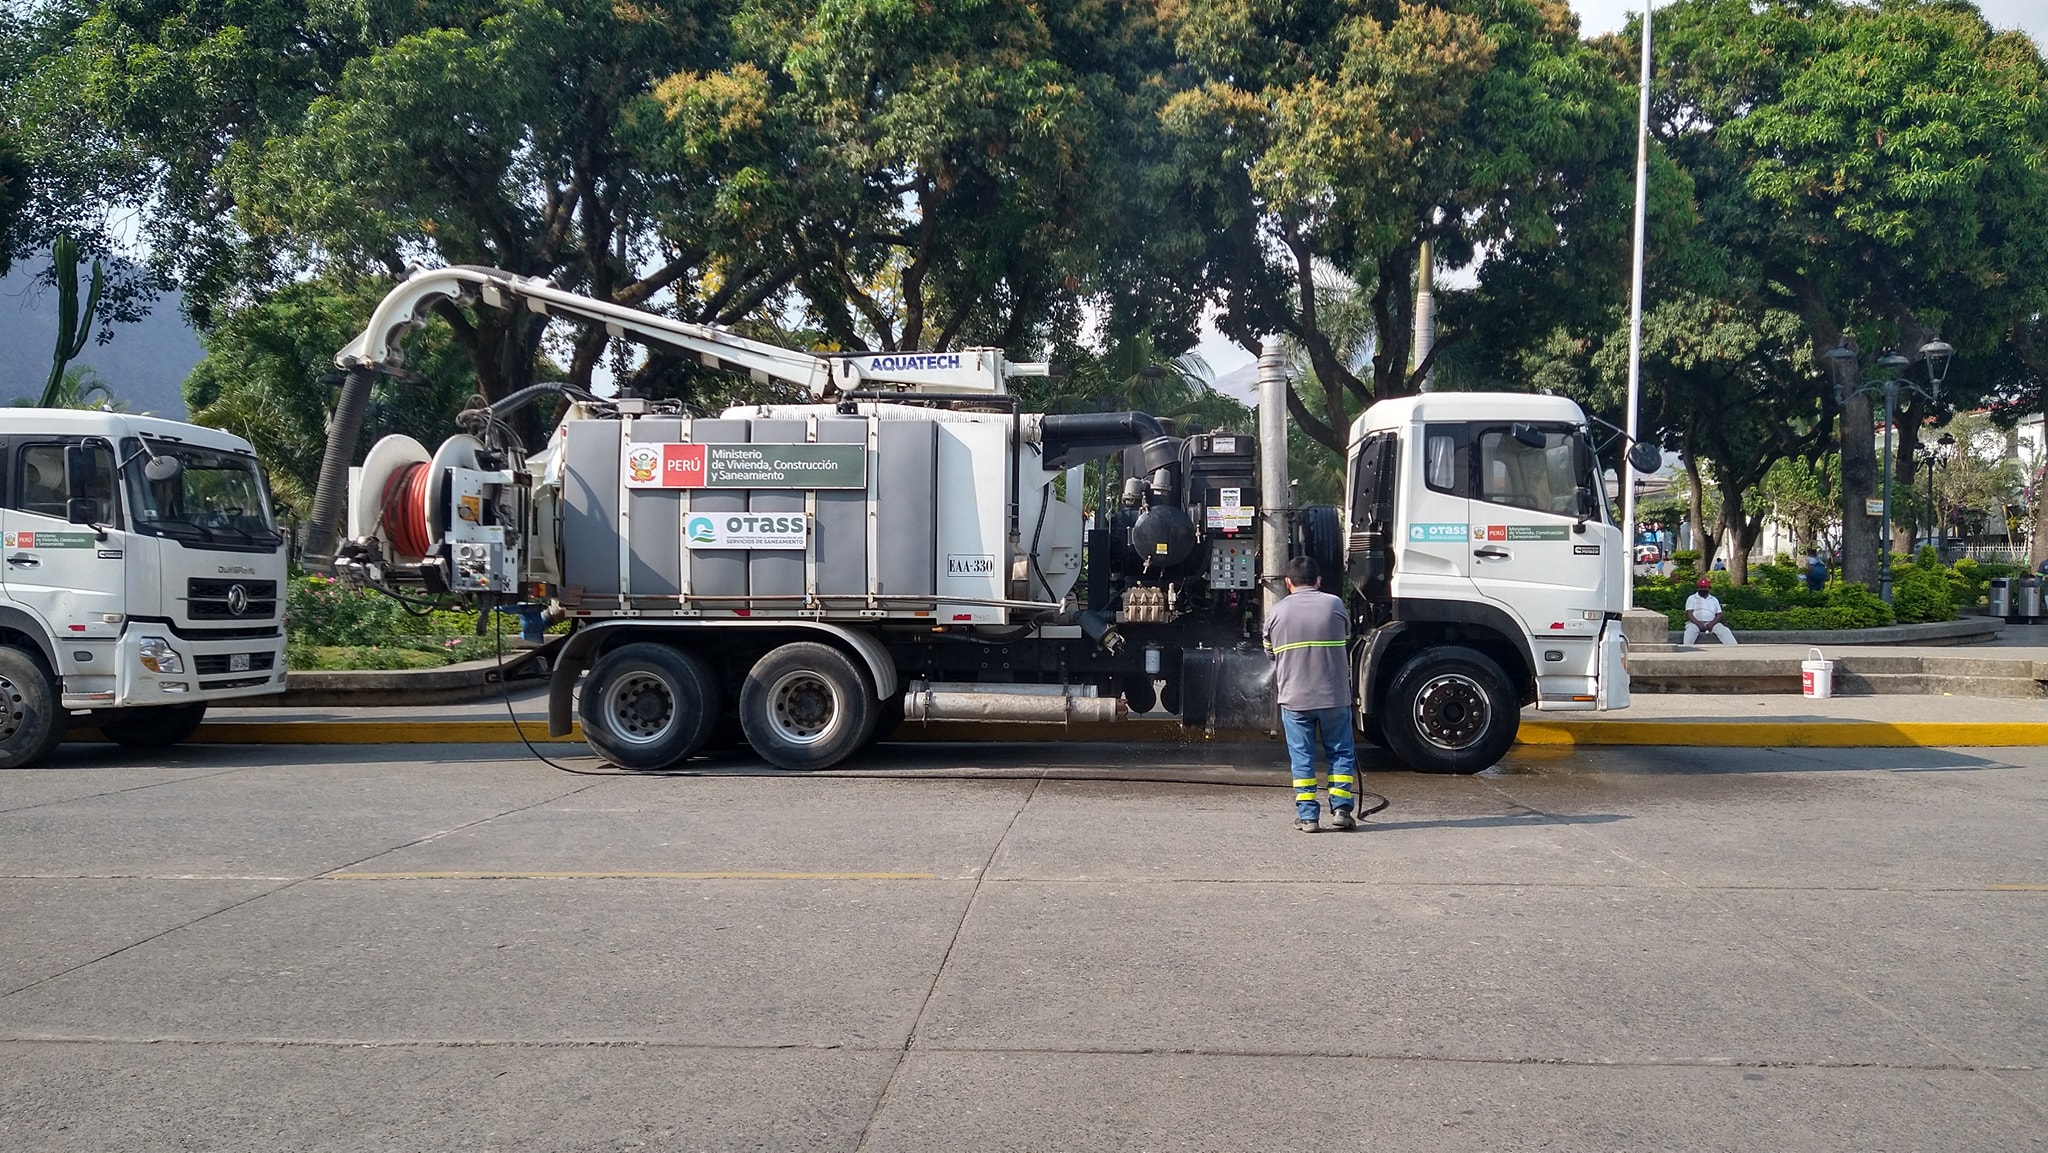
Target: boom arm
(964, 371)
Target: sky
(1597, 17)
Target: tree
(1738, 391)
(1882, 172)
(269, 369)
(1337, 138)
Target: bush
(332, 626)
(1765, 607)
(1923, 590)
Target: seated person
(1703, 614)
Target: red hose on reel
(405, 510)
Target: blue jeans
(1334, 727)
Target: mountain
(145, 363)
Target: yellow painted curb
(1785, 734)
(1700, 734)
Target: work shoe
(1341, 819)
(1307, 825)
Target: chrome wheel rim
(640, 707)
(1451, 711)
(13, 709)
(803, 707)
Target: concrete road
(1023, 948)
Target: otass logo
(702, 531)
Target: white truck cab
(1479, 528)
(141, 577)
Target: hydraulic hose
(330, 495)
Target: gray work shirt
(1306, 633)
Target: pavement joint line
(623, 875)
(867, 1130)
(1352, 882)
(68, 970)
(129, 789)
(575, 1043)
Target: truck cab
(1486, 568)
(141, 578)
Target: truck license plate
(238, 663)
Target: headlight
(159, 657)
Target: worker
(1306, 633)
(1703, 614)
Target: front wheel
(155, 727)
(1450, 710)
(647, 706)
(31, 723)
(807, 706)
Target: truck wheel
(31, 723)
(156, 727)
(1449, 710)
(1139, 694)
(807, 706)
(647, 706)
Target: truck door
(1435, 553)
(56, 565)
(1538, 533)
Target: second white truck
(142, 578)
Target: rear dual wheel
(648, 706)
(808, 706)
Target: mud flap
(1227, 690)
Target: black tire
(32, 722)
(156, 727)
(1139, 694)
(807, 706)
(647, 706)
(1450, 710)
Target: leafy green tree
(1737, 390)
(1880, 171)
(1339, 137)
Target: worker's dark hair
(1304, 571)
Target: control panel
(1233, 565)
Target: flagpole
(1635, 324)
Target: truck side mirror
(1645, 457)
(82, 510)
(78, 470)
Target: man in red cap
(1703, 614)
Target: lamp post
(1936, 353)
(1932, 457)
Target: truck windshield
(215, 498)
(1547, 467)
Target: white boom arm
(970, 370)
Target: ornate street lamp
(1936, 353)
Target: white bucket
(1817, 676)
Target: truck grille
(209, 599)
(215, 663)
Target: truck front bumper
(203, 669)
